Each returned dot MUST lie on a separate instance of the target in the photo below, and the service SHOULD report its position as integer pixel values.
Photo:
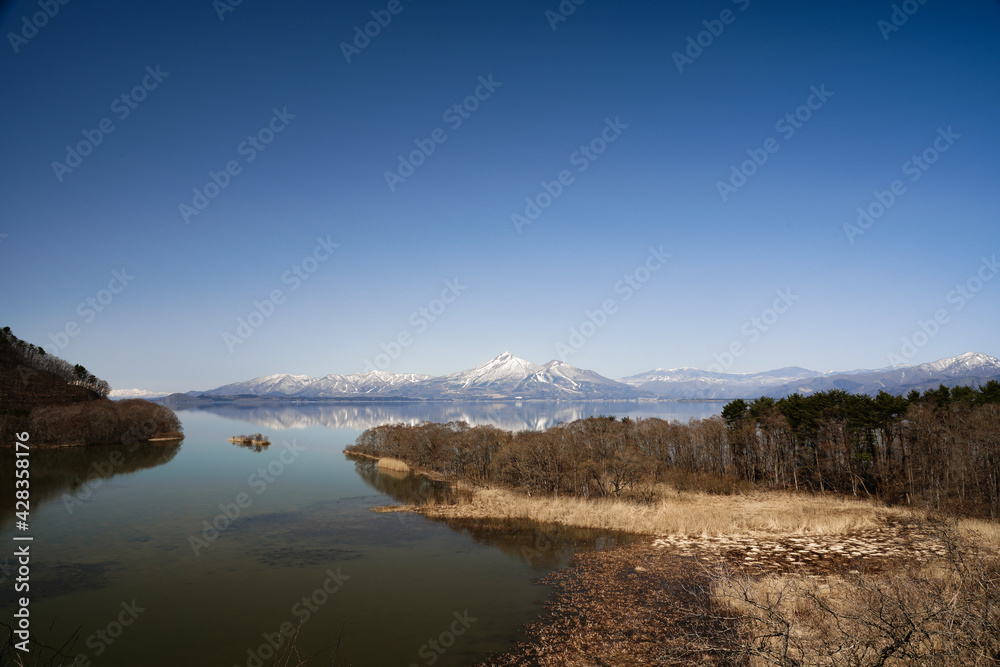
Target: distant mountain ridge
(507, 377)
(119, 394)
(503, 377)
(971, 368)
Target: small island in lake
(255, 441)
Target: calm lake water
(121, 554)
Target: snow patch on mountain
(119, 394)
(509, 377)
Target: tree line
(38, 394)
(33, 357)
(939, 449)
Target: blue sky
(659, 133)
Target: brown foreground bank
(768, 578)
(630, 605)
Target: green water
(122, 558)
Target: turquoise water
(122, 557)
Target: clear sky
(653, 176)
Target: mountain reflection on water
(512, 416)
(541, 546)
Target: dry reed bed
(944, 612)
(757, 579)
(687, 514)
(389, 463)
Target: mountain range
(507, 377)
(971, 368)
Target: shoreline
(692, 595)
(37, 445)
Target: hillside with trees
(59, 403)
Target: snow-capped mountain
(281, 384)
(503, 377)
(508, 377)
(119, 394)
(501, 373)
(694, 383)
(971, 368)
(970, 363)
(329, 386)
(370, 383)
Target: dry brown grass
(945, 612)
(688, 514)
(918, 606)
(984, 533)
(388, 463)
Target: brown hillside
(23, 387)
(60, 404)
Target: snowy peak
(503, 377)
(970, 363)
(507, 376)
(281, 384)
(499, 370)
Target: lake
(205, 553)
